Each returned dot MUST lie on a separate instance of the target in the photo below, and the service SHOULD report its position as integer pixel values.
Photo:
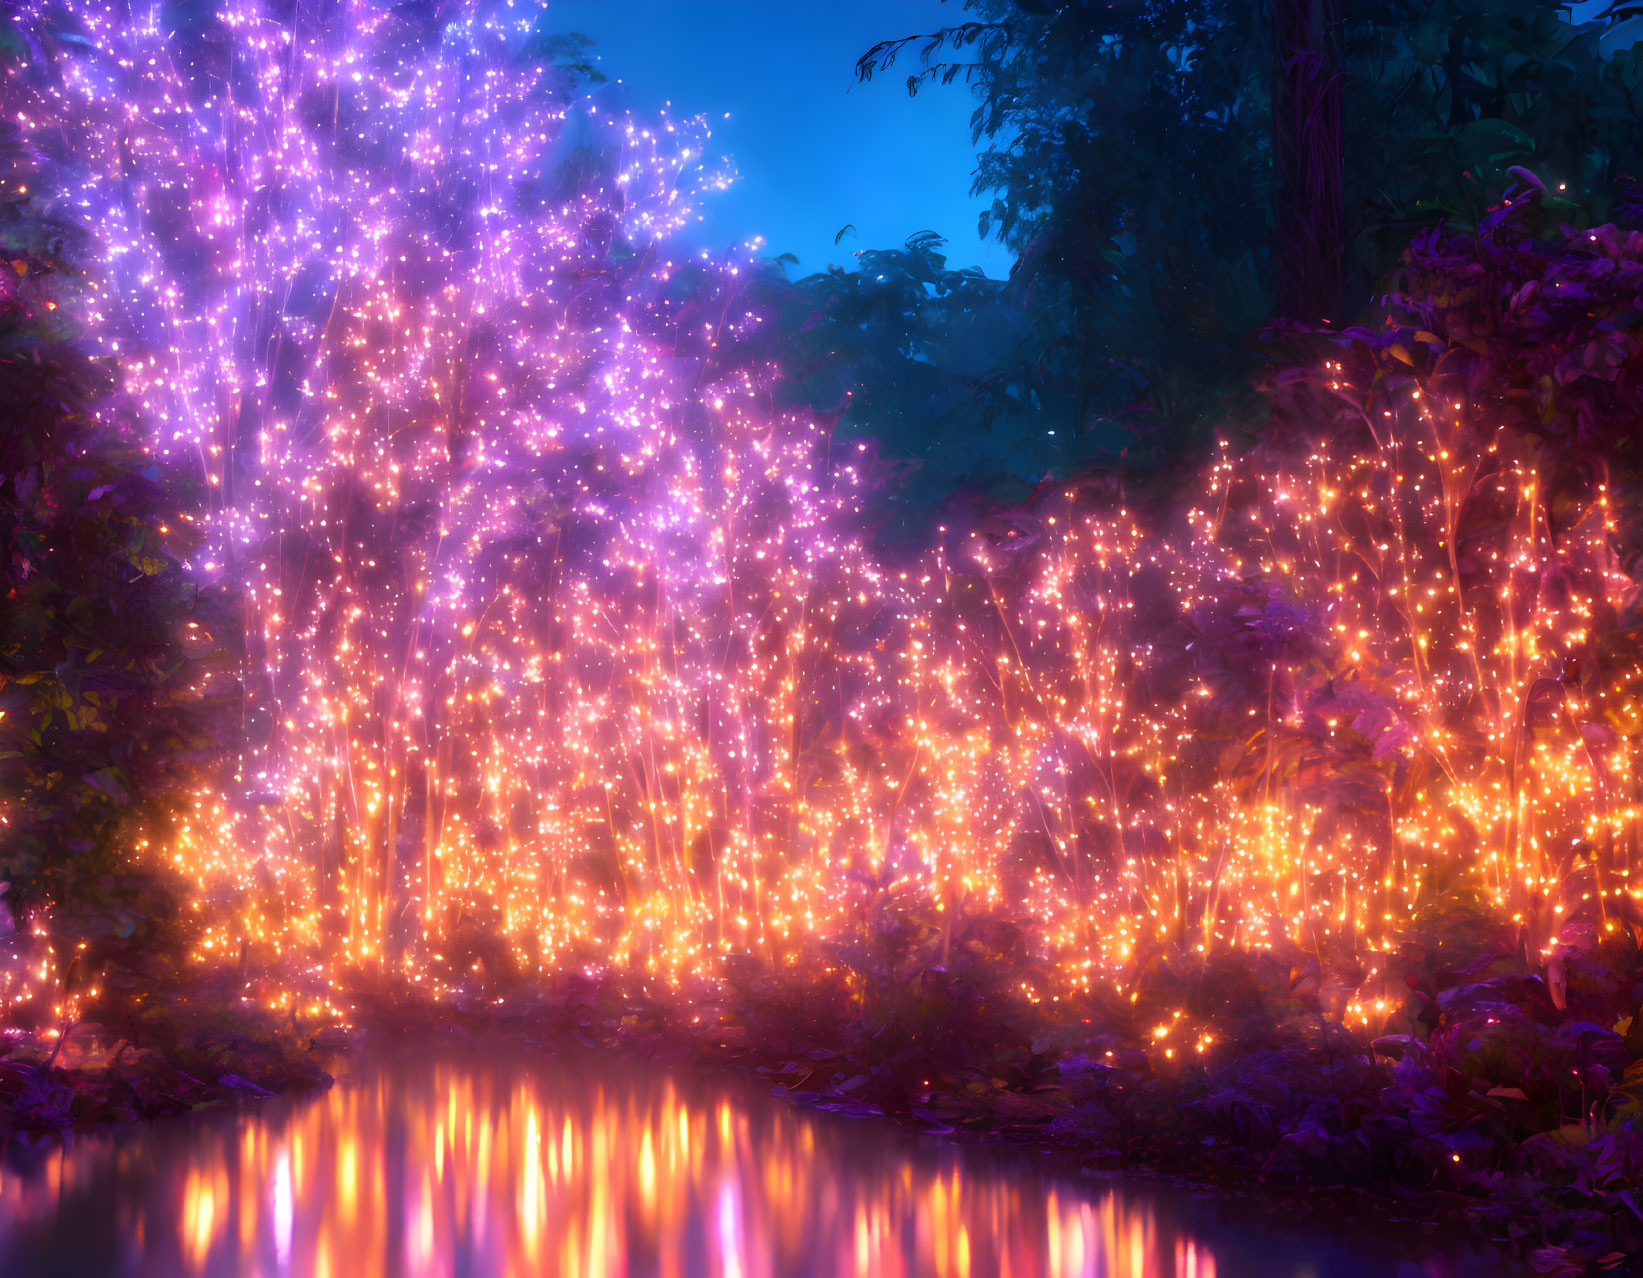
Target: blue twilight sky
(813, 149)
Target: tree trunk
(1306, 153)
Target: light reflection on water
(443, 1170)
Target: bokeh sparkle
(566, 647)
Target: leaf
(109, 782)
(1494, 142)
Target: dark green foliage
(1532, 321)
(1307, 244)
(113, 678)
(1444, 101)
(919, 358)
(1136, 200)
(200, 1057)
(1133, 167)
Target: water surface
(446, 1170)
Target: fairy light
(557, 632)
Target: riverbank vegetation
(1281, 831)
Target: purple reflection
(440, 1170)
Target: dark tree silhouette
(1306, 152)
(1174, 176)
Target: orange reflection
(437, 1170)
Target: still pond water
(445, 1170)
